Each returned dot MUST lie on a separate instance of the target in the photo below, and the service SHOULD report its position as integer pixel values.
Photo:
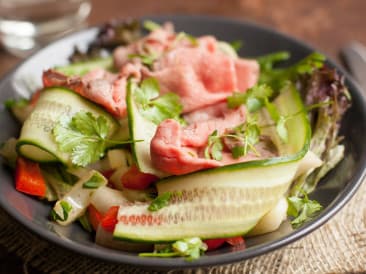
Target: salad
(166, 144)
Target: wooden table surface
(327, 25)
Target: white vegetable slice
(272, 220)
(78, 199)
(106, 197)
(308, 163)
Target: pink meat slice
(100, 86)
(203, 75)
(202, 122)
(179, 150)
(168, 154)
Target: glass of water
(27, 25)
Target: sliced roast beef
(100, 86)
(203, 122)
(168, 154)
(203, 75)
(177, 149)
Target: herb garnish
(248, 135)
(160, 201)
(254, 98)
(151, 25)
(302, 209)
(257, 97)
(214, 147)
(191, 248)
(276, 78)
(244, 137)
(152, 106)
(84, 136)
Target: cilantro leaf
(88, 151)
(253, 98)
(154, 107)
(151, 25)
(214, 147)
(148, 91)
(238, 151)
(160, 201)
(248, 133)
(277, 78)
(83, 136)
(302, 209)
(267, 62)
(191, 248)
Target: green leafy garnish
(145, 58)
(302, 209)
(236, 45)
(95, 181)
(268, 61)
(247, 135)
(191, 248)
(152, 106)
(160, 201)
(277, 78)
(151, 25)
(10, 103)
(242, 138)
(253, 98)
(84, 136)
(280, 120)
(214, 147)
(183, 35)
(66, 208)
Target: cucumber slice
(82, 68)
(36, 141)
(225, 201)
(143, 130)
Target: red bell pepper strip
(95, 217)
(109, 220)
(135, 179)
(235, 241)
(213, 244)
(28, 178)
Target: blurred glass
(27, 25)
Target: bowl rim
(115, 256)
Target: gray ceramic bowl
(333, 193)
